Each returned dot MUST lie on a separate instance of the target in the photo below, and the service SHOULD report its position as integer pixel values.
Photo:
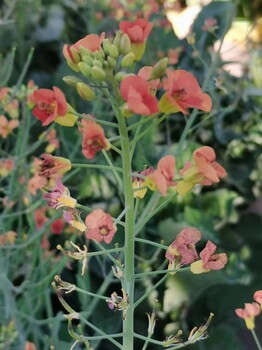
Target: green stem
(149, 291)
(96, 166)
(146, 241)
(129, 271)
(256, 339)
(105, 251)
(157, 342)
(118, 179)
(160, 272)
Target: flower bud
(88, 59)
(111, 61)
(97, 63)
(127, 60)
(85, 69)
(71, 80)
(120, 76)
(125, 46)
(113, 52)
(84, 52)
(98, 73)
(117, 39)
(106, 46)
(85, 91)
(159, 69)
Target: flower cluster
(182, 251)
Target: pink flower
(93, 138)
(163, 176)
(182, 250)
(139, 182)
(40, 217)
(59, 197)
(100, 226)
(258, 297)
(183, 92)
(35, 183)
(49, 105)
(249, 313)
(135, 91)
(138, 31)
(209, 260)
(73, 218)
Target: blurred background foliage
(230, 214)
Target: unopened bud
(113, 52)
(125, 46)
(85, 52)
(127, 60)
(120, 76)
(85, 91)
(97, 63)
(111, 61)
(106, 46)
(85, 69)
(71, 80)
(117, 39)
(99, 54)
(159, 69)
(88, 59)
(98, 73)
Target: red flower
(182, 250)
(93, 138)
(134, 90)
(183, 92)
(57, 226)
(100, 226)
(138, 31)
(153, 84)
(49, 105)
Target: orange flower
(49, 105)
(183, 92)
(100, 226)
(30, 346)
(205, 170)
(138, 32)
(40, 217)
(91, 42)
(6, 127)
(135, 91)
(53, 167)
(209, 260)
(93, 138)
(249, 313)
(6, 166)
(57, 226)
(153, 85)
(35, 183)
(163, 176)
(182, 250)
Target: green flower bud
(128, 60)
(111, 61)
(88, 59)
(117, 38)
(113, 52)
(159, 68)
(106, 46)
(71, 80)
(120, 76)
(99, 55)
(98, 73)
(85, 52)
(85, 69)
(125, 46)
(98, 63)
(85, 91)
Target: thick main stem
(129, 271)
